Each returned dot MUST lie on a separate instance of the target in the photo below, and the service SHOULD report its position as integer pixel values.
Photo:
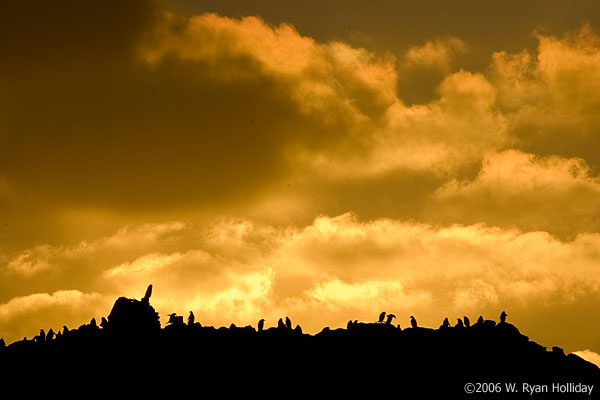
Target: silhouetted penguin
(65, 330)
(191, 318)
(280, 323)
(389, 319)
(103, 323)
(467, 322)
(480, 319)
(413, 322)
(381, 317)
(503, 316)
(50, 335)
(261, 325)
(93, 323)
(459, 323)
(146, 298)
(288, 323)
(298, 329)
(175, 319)
(41, 338)
(349, 325)
(446, 323)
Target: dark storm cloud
(398, 25)
(89, 122)
(46, 35)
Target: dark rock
(130, 315)
(133, 351)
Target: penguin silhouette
(146, 298)
(389, 319)
(413, 322)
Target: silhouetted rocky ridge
(130, 350)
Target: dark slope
(130, 352)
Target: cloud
(435, 54)
(590, 356)
(133, 239)
(337, 90)
(134, 135)
(237, 270)
(455, 130)
(209, 113)
(550, 97)
(196, 112)
(49, 268)
(513, 188)
(24, 316)
(208, 284)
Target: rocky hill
(130, 350)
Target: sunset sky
(324, 161)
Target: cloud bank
(238, 271)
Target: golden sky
(322, 161)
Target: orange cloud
(550, 99)
(435, 54)
(239, 271)
(24, 316)
(590, 356)
(352, 91)
(513, 188)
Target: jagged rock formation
(373, 358)
(133, 317)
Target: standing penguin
(146, 298)
(261, 324)
(503, 316)
(413, 322)
(389, 319)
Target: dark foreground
(131, 354)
